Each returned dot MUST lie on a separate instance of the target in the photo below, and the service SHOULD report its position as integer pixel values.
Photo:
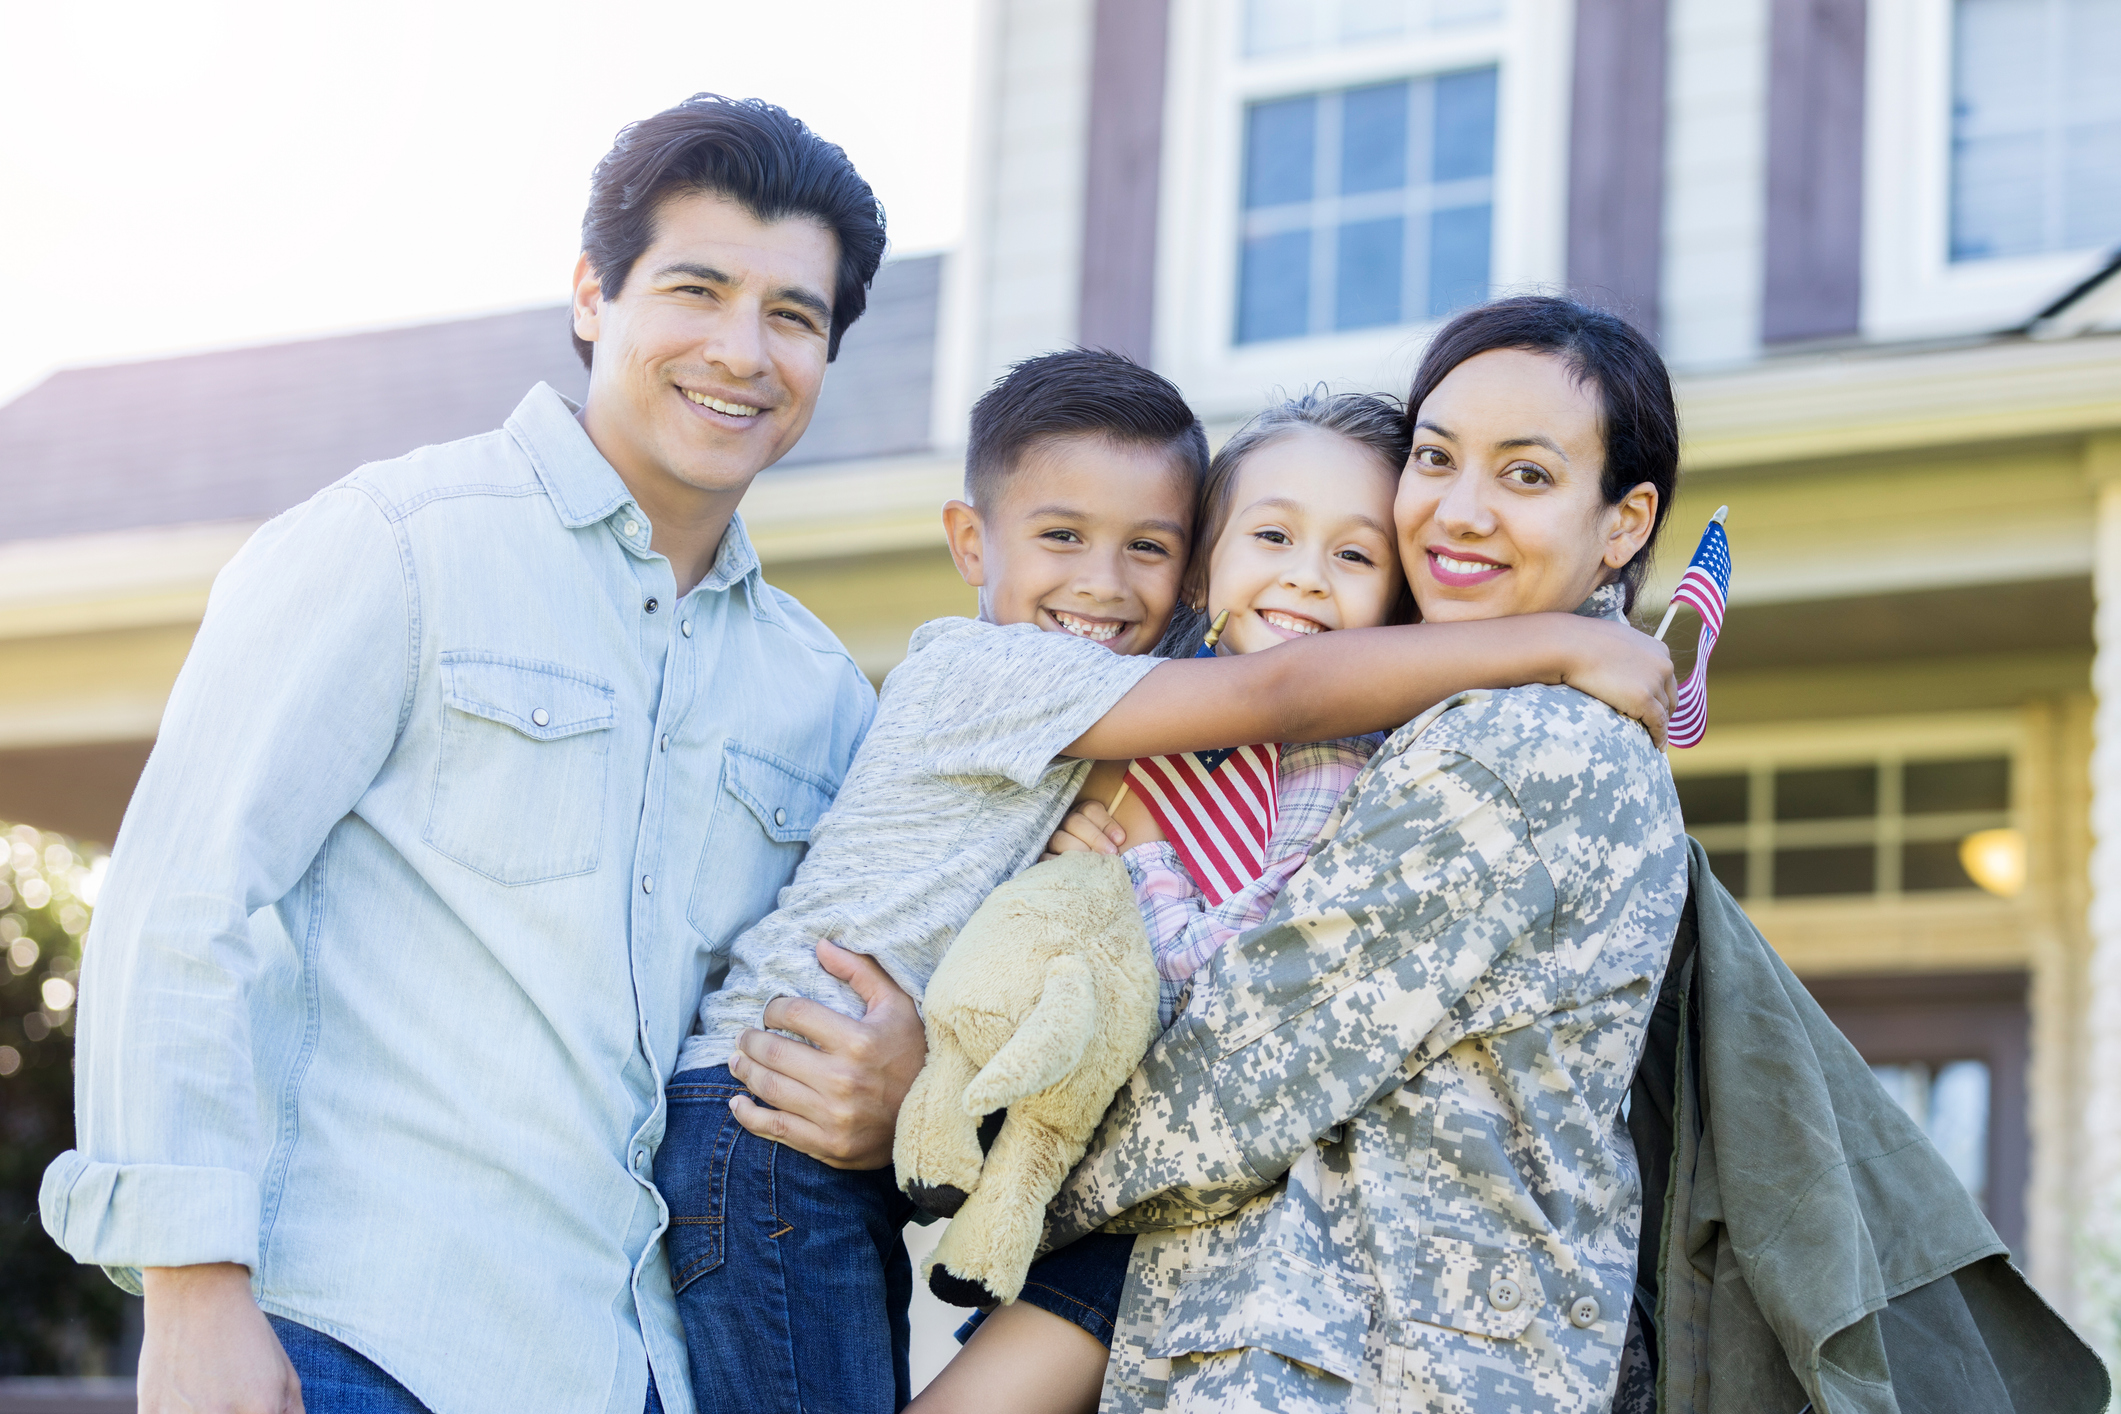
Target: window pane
(1373, 139)
(1839, 793)
(1280, 141)
(1958, 1121)
(1932, 864)
(1274, 287)
(1949, 787)
(1839, 869)
(2036, 127)
(1729, 867)
(1712, 800)
(1465, 125)
(1277, 26)
(1458, 259)
(1367, 276)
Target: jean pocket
(692, 1174)
(519, 787)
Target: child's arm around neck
(1374, 679)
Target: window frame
(1911, 287)
(1210, 83)
(1880, 742)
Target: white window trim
(1882, 741)
(1911, 287)
(1208, 85)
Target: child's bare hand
(1089, 826)
(1624, 668)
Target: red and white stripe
(1219, 821)
(1690, 719)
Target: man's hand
(1624, 668)
(208, 1349)
(838, 1102)
(1089, 826)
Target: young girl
(1294, 538)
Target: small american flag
(1217, 808)
(1704, 586)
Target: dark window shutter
(1125, 150)
(1616, 158)
(1813, 287)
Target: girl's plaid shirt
(1183, 928)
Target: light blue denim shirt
(454, 810)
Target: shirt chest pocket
(763, 815)
(519, 789)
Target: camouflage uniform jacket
(1378, 1163)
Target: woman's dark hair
(1079, 393)
(750, 151)
(1637, 418)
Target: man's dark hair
(1637, 418)
(755, 154)
(1079, 393)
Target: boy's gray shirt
(958, 786)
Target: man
(479, 760)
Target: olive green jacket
(1813, 1245)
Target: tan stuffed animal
(1043, 1006)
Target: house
(1873, 238)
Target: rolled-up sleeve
(1301, 1024)
(293, 695)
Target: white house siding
(1024, 243)
(1715, 181)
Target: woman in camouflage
(1378, 1164)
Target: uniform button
(649, 606)
(633, 528)
(686, 628)
(1504, 1294)
(539, 717)
(648, 883)
(780, 817)
(1584, 1314)
(664, 745)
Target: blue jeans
(791, 1275)
(337, 1379)
(1080, 1283)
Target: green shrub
(56, 1316)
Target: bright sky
(183, 176)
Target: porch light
(1995, 859)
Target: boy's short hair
(753, 152)
(1078, 393)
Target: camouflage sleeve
(1302, 1023)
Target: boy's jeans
(791, 1275)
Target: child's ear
(961, 525)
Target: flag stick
(1215, 633)
(1673, 607)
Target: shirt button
(1584, 1314)
(1503, 1294)
(780, 817)
(648, 883)
(649, 606)
(633, 528)
(539, 717)
(664, 744)
(686, 628)
(640, 1162)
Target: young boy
(1081, 480)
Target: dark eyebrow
(1060, 512)
(791, 294)
(1534, 441)
(1440, 430)
(706, 273)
